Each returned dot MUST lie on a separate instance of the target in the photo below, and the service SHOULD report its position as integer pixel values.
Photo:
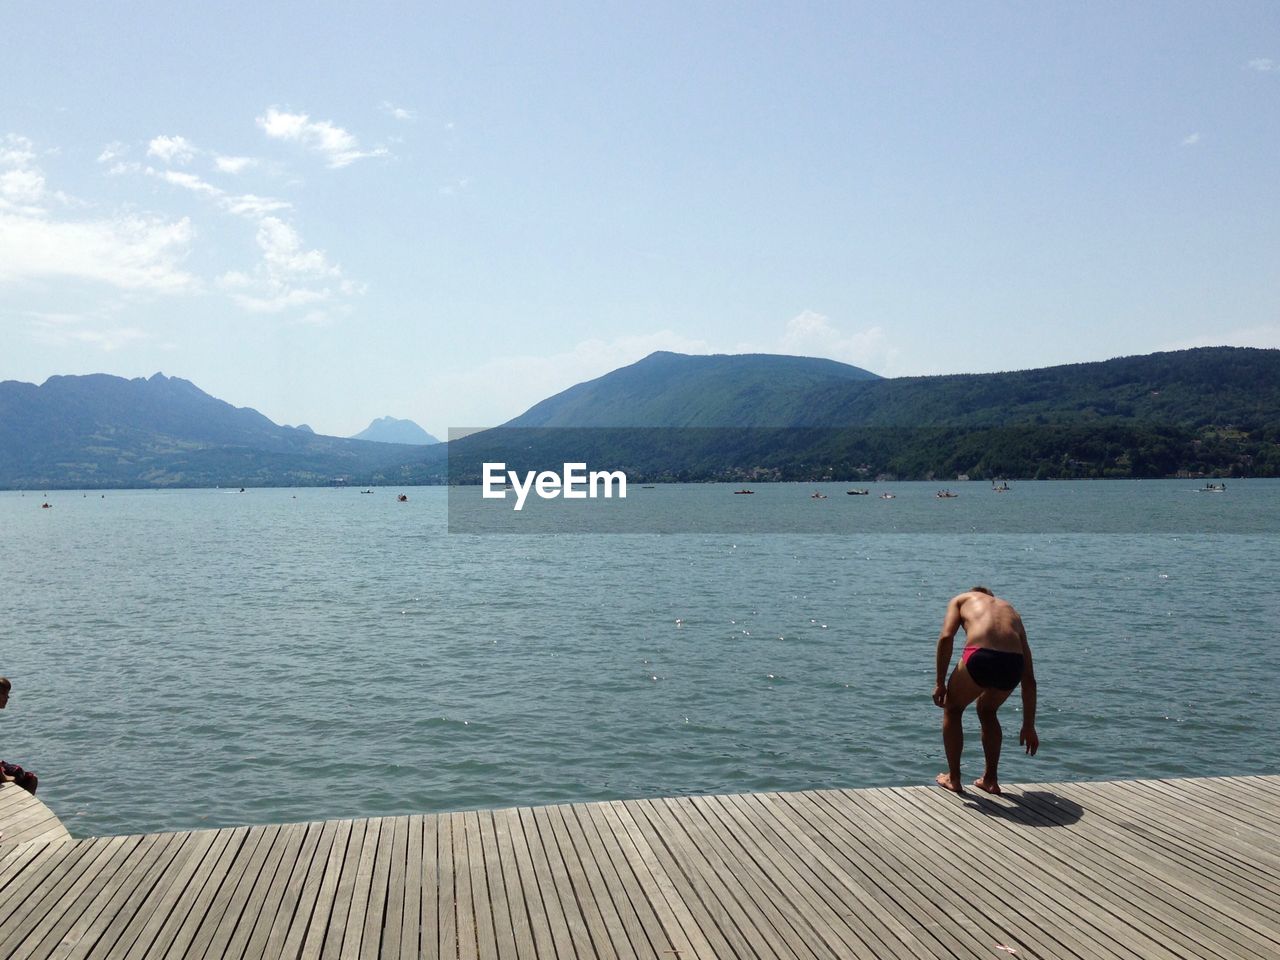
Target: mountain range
(669, 416)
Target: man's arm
(1028, 736)
(950, 624)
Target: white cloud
(112, 151)
(188, 181)
(60, 330)
(399, 113)
(234, 164)
(811, 334)
(289, 275)
(129, 252)
(336, 145)
(172, 149)
(244, 205)
(132, 252)
(16, 151)
(1191, 140)
(21, 186)
(250, 205)
(1263, 65)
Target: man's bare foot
(992, 787)
(946, 783)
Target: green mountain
(1210, 411)
(103, 431)
(674, 390)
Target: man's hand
(1030, 740)
(940, 695)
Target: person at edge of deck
(996, 658)
(11, 771)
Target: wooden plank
(702, 902)
(50, 866)
(716, 884)
(753, 889)
(25, 928)
(1171, 894)
(1245, 868)
(447, 903)
(682, 929)
(648, 934)
(468, 944)
(313, 939)
(227, 916)
(398, 874)
(312, 905)
(503, 851)
(267, 892)
(547, 923)
(572, 885)
(1041, 915)
(595, 891)
(379, 895)
(66, 912)
(509, 920)
(335, 924)
(1141, 902)
(147, 860)
(1171, 891)
(486, 935)
(806, 883)
(358, 912)
(572, 938)
(861, 846)
(273, 924)
(186, 865)
(174, 936)
(429, 909)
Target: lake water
(202, 658)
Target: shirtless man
(996, 659)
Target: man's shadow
(1032, 808)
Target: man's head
(5, 686)
(985, 590)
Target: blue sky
(332, 212)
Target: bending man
(996, 659)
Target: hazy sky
(332, 212)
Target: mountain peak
(391, 430)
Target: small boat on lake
(946, 495)
(1213, 488)
(817, 495)
(887, 496)
(403, 498)
(744, 490)
(1002, 487)
(858, 493)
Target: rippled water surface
(200, 658)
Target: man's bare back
(989, 622)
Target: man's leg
(992, 736)
(961, 691)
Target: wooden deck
(1159, 868)
(23, 818)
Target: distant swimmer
(996, 658)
